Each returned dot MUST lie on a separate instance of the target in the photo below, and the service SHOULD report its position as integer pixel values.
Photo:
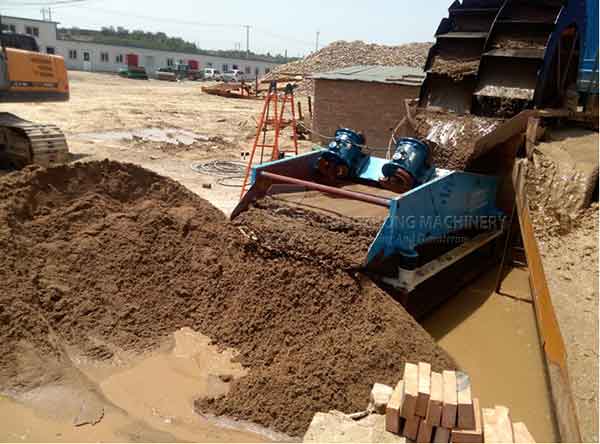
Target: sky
(276, 25)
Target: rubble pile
(342, 54)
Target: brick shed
(365, 98)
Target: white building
(88, 56)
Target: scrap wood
(231, 90)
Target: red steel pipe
(355, 195)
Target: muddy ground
(562, 191)
(104, 256)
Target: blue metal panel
(371, 169)
(434, 210)
(588, 67)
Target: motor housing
(343, 158)
(410, 166)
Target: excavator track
(23, 142)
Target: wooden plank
(411, 390)
(497, 426)
(425, 432)
(441, 434)
(411, 427)
(470, 436)
(450, 407)
(393, 409)
(434, 408)
(521, 433)
(424, 389)
(466, 413)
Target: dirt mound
(342, 54)
(101, 256)
(562, 181)
(277, 228)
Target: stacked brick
(428, 406)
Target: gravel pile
(342, 54)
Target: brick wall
(373, 108)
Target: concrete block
(497, 426)
(335, 427)
(380, 395)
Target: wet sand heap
(105, 256)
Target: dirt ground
(102, 104)
(104, 256)
(102, 121)
(561, 183)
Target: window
(104, 57)
(11, 28)
(86, 56)
(32, 30)
(209, 64)
(181, 62)
(50, 50)
(256, 71)
(119, 58)
(235, 66)
(267, 70)
(170, 62)
(72, 54)
(225, 67)
(247, 70)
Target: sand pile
(101, 256)
(342, 54)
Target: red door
(132, 59)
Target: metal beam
(355, 195)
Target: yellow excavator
(27, 75)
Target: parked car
(235, 75)
(134, 72)
(212, 74)
(182, 72)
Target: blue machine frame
(450, 202)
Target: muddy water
(148, 398)
(494, 338)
